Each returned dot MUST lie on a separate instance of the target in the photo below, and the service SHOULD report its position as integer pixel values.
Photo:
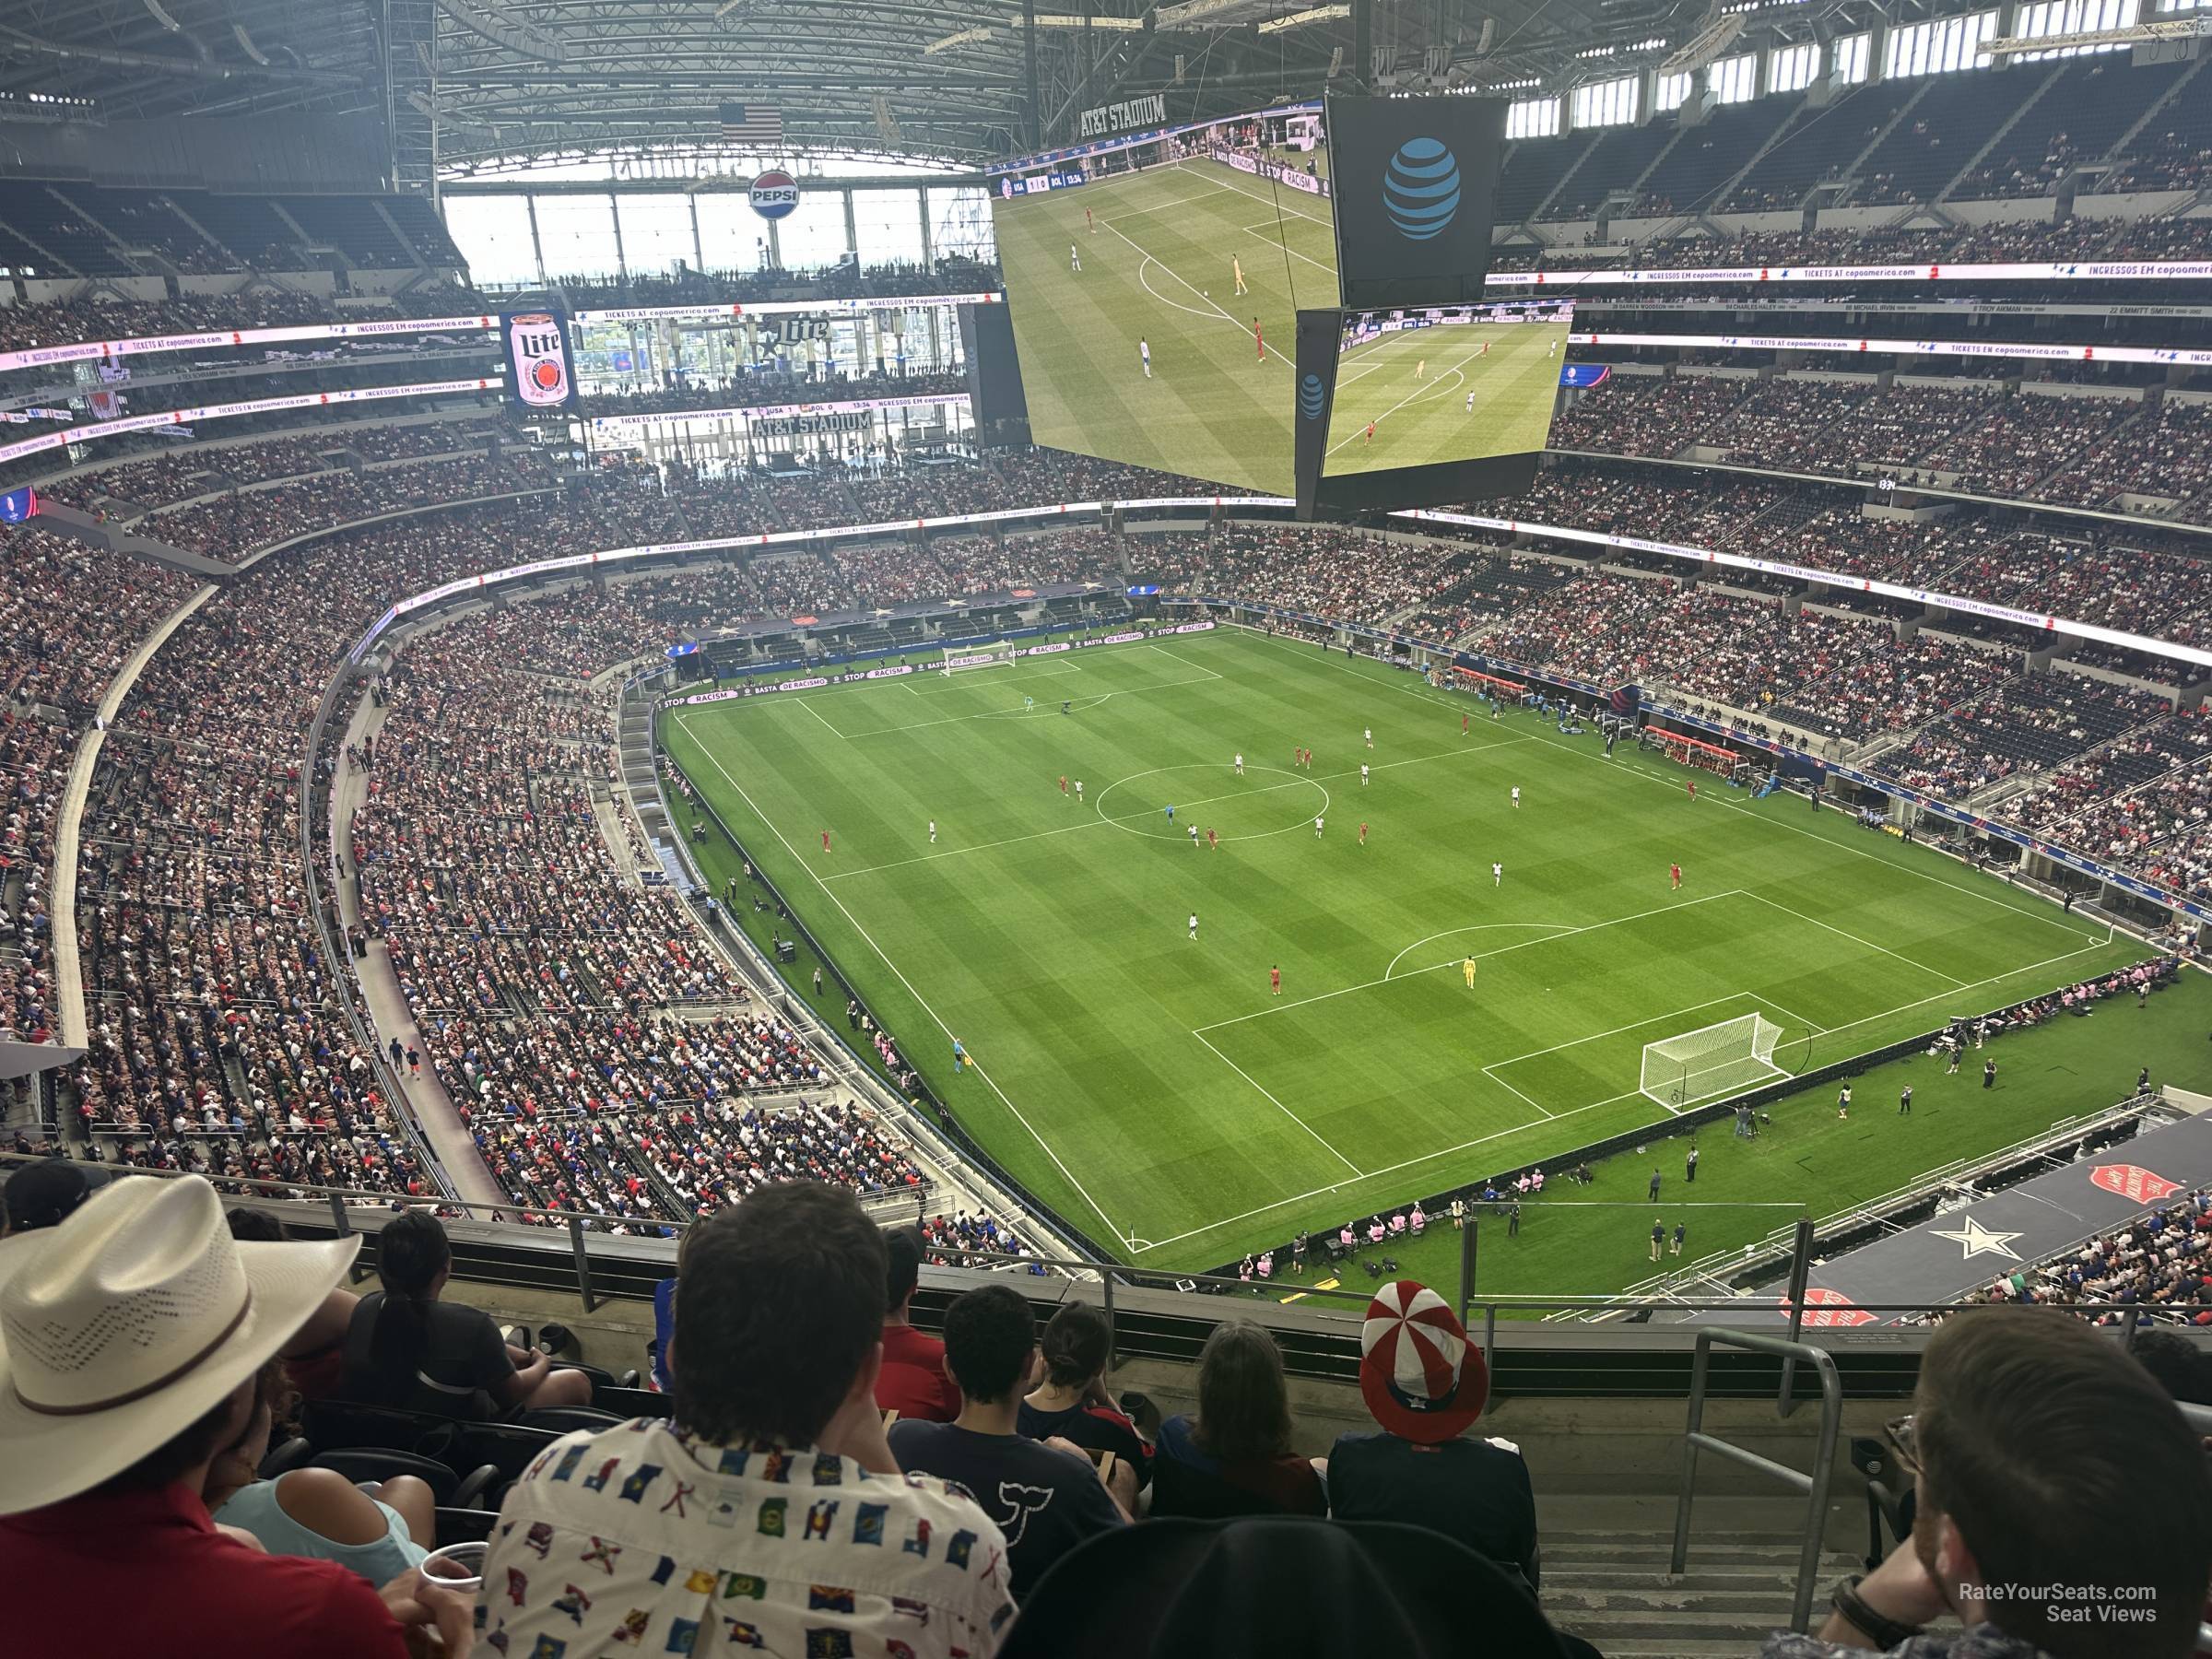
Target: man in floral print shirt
(2063, 1507)
(769, 1514)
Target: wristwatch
(1885, 1632)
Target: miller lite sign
(774, 193)
(538, 356)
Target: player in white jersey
(1144, 350)
(1497, 874)
(933, 832)
(1075, 259)
(1079, 789)
(1193, 924)
(1317, 829)
(1470, 402)
(1516, 797)
(1194, 830)
(1240, 766)
(1363, 776)
(1368, 733)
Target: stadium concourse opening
(1477, 936)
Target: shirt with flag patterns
(645, 1539)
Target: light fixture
(1317, 13)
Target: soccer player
(1497, 874)
(1363, 774)
(1213, 841)
(959, 1056)
(824, 840)
(1363, 832)
(1466, 971)
(1844, 1101)
(1693, 789)
(1462, 724)
(1368, 733)
(1258, 345)
(1193, 831)
(1317, 827)
(1170, 812)
(1064, 705)
(1193, 924)
(1552, 353)
(1144, 350)
(1088, 223)
(1275, 982)
(1075, 259)
(1028, 705)
(1673, 872)
(1236, 269)
(1486, 349)
(1371, 434)
(1516, 797)
(1079, 789)
(1240, 764)
(1470, 402)
(1063, 786)
(1420, 369)
(933, 832)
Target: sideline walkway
(425, 1095)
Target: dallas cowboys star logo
(1977, 1239)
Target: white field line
(1261, 231)
(1480, 956)
(866, 937)
(818, 715)
(1841, 934)
(1214, 309)
(1255, 195)
(1286, 1111)
(1427, 387)
(1491, 1073)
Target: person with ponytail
(407, 1349)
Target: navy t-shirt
(1045, 1500)
(1468, 1490)
(1095, 1428)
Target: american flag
(752, 123)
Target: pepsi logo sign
(774, 193)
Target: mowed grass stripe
(1061, 958)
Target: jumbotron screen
(1154, 290)
(1438, 385)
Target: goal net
(960, 659)
(1712, 1061)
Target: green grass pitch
(1435, 395)
(1158, 267)
(1150, 1086)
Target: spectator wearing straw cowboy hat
(1424, 1385)
(130, 1337)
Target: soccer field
(1158, 269)
(1150, 1086)
(1467, 405)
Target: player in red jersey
(1363, 834)
(1258, 345)
(1371, 434)
(1462, 725)
(1274, 980)
(1674, 873)
(1213, 841)
(1063, 783)
(1693, 789)
(824, 840)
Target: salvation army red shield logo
(1829, 1310)
(2134, 1183)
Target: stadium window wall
(1853, 59)
(732, 237)
(1939, 47)
(1533, 118)
(493, 234)
(812, 236)
(1734, 80)
(576, 236)
(1605, 103)
(887, 225)
(959, 222)
(657, 233)
(1670, 92)
(2073, 17)
(1791, 68)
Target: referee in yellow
(1467, 969)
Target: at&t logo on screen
(1420, 189)
(1309, 397)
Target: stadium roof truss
(474, 87)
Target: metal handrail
(1815, 1485)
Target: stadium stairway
(1613, 1589)
(80, 526)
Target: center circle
(1212, 796)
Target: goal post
(960, 659)
(1713, 1061)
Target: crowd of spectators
(2162, 1257)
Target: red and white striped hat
(1420, 1377)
